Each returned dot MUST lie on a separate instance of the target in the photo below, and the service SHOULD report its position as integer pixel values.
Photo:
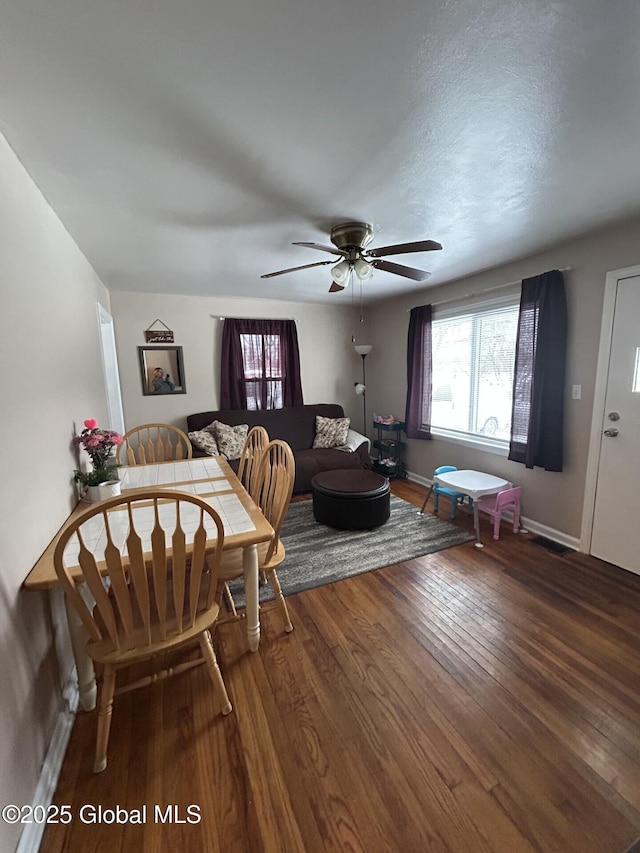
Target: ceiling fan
(351, 240)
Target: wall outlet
(576, 392)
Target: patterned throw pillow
(230, 439)
(205, 440)
(331, 432)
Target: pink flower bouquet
(98, 443)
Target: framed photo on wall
(162, 371)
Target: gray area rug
(318, 555)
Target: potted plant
(102, 481)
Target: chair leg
(436, 499)
(105, 708)
(516, 518)
(275, 584)
(213, 669)
(229, 599)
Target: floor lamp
(361, 388)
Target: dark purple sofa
(297, 426)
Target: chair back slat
(139, 576)
(148, 582)
(197, 567)
(179, 569)
(89, 567)
(160, 570)
(254, 446)
(119, 581)
(274, 487)
(150, 443)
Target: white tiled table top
(203, 477)
(167, 473)
(233, 515)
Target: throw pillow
(230, 439)
(205, 440)
(331, 432)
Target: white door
(616, 521)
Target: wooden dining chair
(154, 581)
(254, 446)
(149, 443)
(273, 487)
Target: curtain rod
(215, 317)
(482, 292)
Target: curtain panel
(260, 364)
(539, 377)
(419, 369)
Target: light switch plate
(576, 392)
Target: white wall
(551, 499)
(52, 380)
(328, 364)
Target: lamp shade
(363, 270)
(363, 349)
(341, 272)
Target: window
(259, 365)
(262, 371)
(473, 355)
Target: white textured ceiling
(185, 144)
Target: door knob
(613, 416)
(611, 433)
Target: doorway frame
(599, 399)
(109, 356)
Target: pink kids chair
(495, 505)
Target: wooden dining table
(213, 480)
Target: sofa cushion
(204, 439)
(330, 432)
(230, 439)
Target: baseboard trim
(416, 478)
(572, 542)
(31, 837)
(529, 524)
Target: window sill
(486, 445)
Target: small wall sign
(158, 336)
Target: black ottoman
(351, 499)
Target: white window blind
(263, 372)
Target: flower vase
(110, 489)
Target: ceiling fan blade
(404, 248)
(400, 269)
(294, 269)
(335, 287)
(322, 248)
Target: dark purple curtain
(260, 364)
(418, 410)
(539, 378)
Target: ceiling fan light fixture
(341, 272)
(363, 270)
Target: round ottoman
(351, 499)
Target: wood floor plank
(466, 701)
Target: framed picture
(162, 371)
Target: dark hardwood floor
(470, 700)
